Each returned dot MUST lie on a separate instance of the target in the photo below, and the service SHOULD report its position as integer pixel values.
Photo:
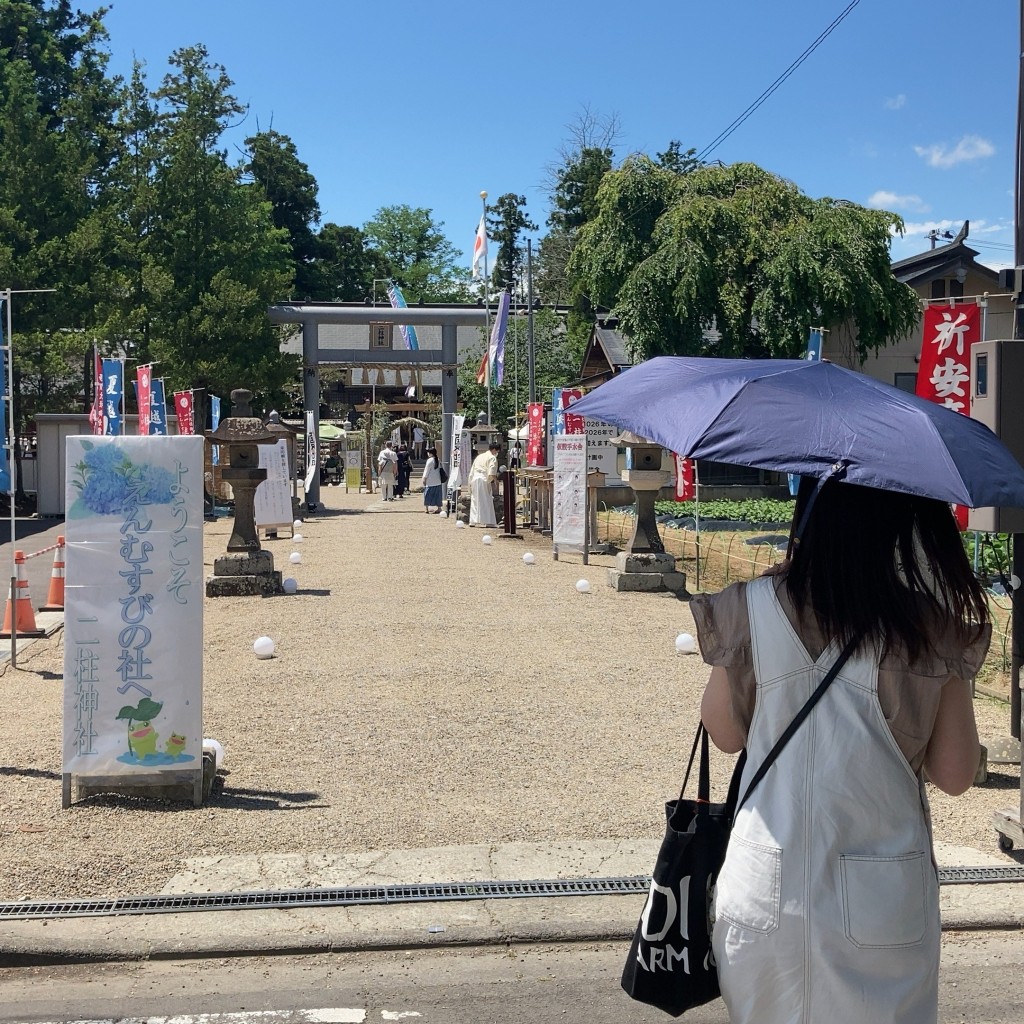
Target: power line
(721, 137)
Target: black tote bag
(670, 964)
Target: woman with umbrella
(827, 905)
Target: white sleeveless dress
(827, 906)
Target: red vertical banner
(183, 409)
(686, 489)
(573, 424)
(144, 386)
(96, 412)
(535, 438)
(944, 373)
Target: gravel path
(427, 690)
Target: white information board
(273, 496)
(601, 453)
(133, 605)
(569, 515)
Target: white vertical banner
(312, 451)
(273, 496)
(459, 457)
(569, 515)
(133, 605)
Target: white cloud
(895, 102)
(970, 147)
(885, 200)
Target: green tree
(346, 265)
(415, 254)
(57, 144)
(221, 259)
(292, 190)
(506, 225)
(735, 261)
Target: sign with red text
(535, 454)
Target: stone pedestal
(247, 574)
(652, 571)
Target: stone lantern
(644, 565)
(246, 569)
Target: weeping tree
(736, 261)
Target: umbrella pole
(696, 517)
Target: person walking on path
(827, 905)
(432, 484)
(417, 442)
(483, 479)
(387, 471)
(404, 471)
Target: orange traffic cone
(24, 617)
(55, 598)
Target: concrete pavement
(412, 925)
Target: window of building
(905, 381)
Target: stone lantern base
(246, 574)
(646, 572)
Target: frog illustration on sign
(142, 736)
(175, 745)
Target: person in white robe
(387, 471)
(483, 479)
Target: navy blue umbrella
(804, 417)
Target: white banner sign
(569, 518)
(133, 605)
(458, 473)
(273, 496)
(601, 453)
(312, 451)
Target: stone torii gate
(310, 315)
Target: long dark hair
(887, 567)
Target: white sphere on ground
(296, 524)
(218, 750)
(290, 585)
(263, 647)
(460, 524)
(298, 538)
(528, 558)
(487, 538)
(685, 644)
(444, 514)
(295, 558)
(583, 586)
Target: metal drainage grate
(361, 895)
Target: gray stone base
(244, 586)
(647, 582)
(628, 561)
(246, 563)
(166, 785)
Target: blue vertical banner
(5, 467)
(812, 355)
(214, 423)
(397, 300)
(157, 407)
(113, 395)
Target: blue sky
(909, 105)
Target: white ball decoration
(487, 538)
(295, 558)
(290, 585)
(583, 586)
(263, 648)
(528, 558)
(459, 524)
(298, 538)
(444, 514)
(685, 644)
(218, 750)
(296, 524)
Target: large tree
(506, 224)
(221, 256)
(736, 261)
(415, 254)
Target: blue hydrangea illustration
(108, 481)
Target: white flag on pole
(480, 247)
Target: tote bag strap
(799, 719)
(704, 774)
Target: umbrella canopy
(803, 417)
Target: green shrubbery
(752, 510)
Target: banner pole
(10, 473)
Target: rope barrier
(42, 551)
